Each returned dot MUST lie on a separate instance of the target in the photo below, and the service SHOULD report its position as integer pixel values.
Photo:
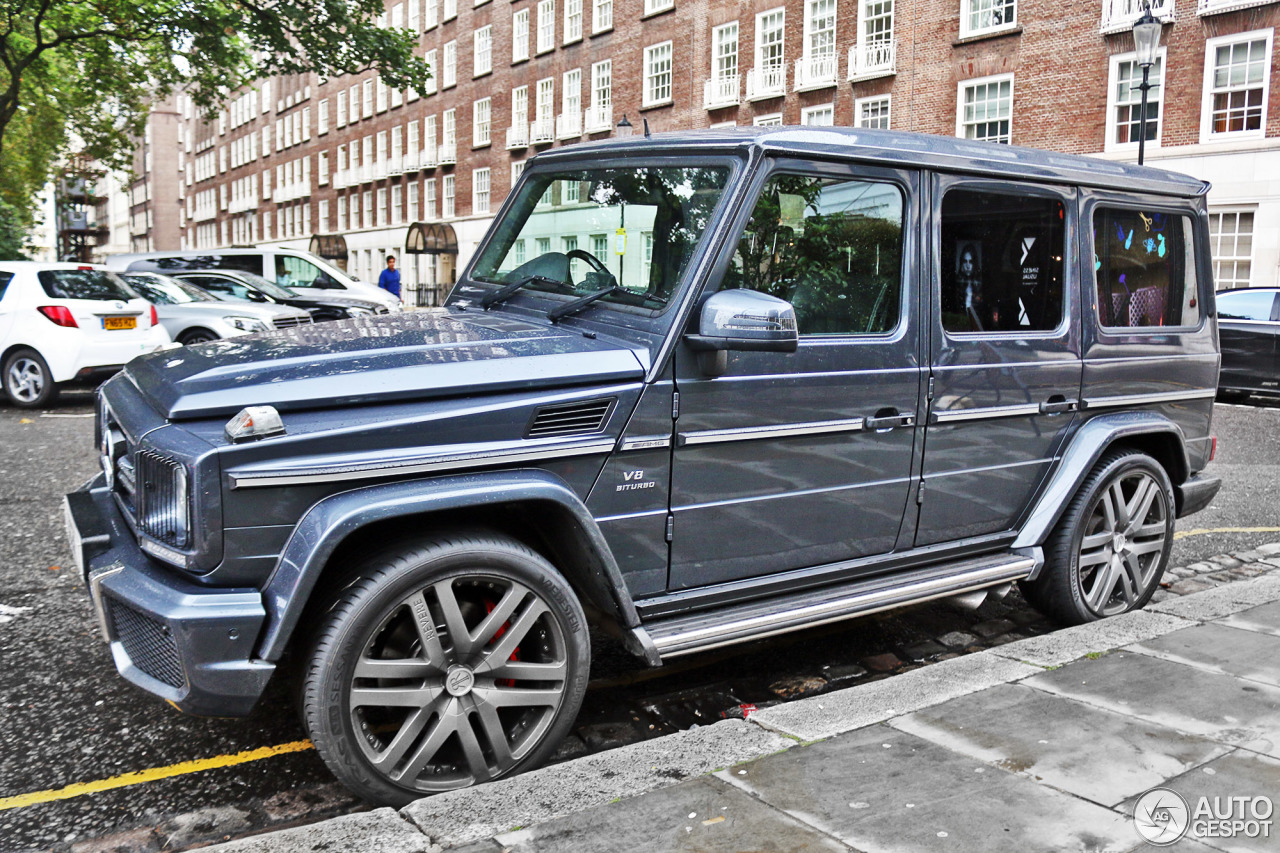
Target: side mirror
(744, 320)
(255, 296)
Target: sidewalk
(1041, 744)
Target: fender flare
(330, 521)
(1083, 451)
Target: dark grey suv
(695, 390)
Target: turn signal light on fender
(1213, 447)
(59, 315)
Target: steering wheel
(590, 259)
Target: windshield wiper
(582, 302)
(505, 292)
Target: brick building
(298, 156)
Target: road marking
(9, 612)
(138, 777)
(1201, 531)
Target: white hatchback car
(68, 322)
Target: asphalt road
(68, 719)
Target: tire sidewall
(47, 393)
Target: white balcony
(767, 81)
(722, 92)
(569, 125)
(599, 119)
(380, 170)
(873, 59)
(428, 158)
(542, 130)
(395, 166)
(815, 72)
(1214, 7)
(518, 135)
(365, 173)
(1118, 15)
(239, 205)
(447, 153)
(339, 179)
(411, 162)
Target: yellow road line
(1201, 531)
(138, 777)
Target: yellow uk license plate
(112, 323)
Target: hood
(414, 355)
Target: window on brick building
(368, 150)
(770, 74)
(397, 97)
(572, 21)
(480, 191)
(544, 107)
(546, 25)
(872, 112)
(820, 116)
(382, 207)
(657, 74)
(571, 103)
(985, 109)
(433, 83)
(341, 109)
(875, 26)
(601, 16)
(429, 198)
(415, 18)
(429, 135)
(979, 17)
(397, 204)
(520, 36)
(1237, 71)
(382, 146)
(1124, 101)
(517, 169)
(322, 168)
(381, 94)
(480, 120)
(724, 52)
(449, 67)
(366, 107)
(431, 13)
(1231, 242)
(450, 10)
(652, 6)
(341, 224)
(773, 120)
(482, 54)
(412, 141)
(367, 205)
(412, 211)
(322, 117)
(446, 204)
(820, 38)
(602, 85)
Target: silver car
(192, 315)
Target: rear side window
(1001, 262)
(297, 272)
(1246, 305)
(83, 284)
(1144, 262)
(5, 278)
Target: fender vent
(577, 418)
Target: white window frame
(859, 103)
(341, 117)
(431, 14)
(760, 45)
(652, 74)
(810, 30)
(602, 73)
(571, 91)
(720, 58)
(770, 120)
(480, 191)
(381, 94)
(517, 169)
(981, 81)
(573, 13)
(482, 51)
(601, 16)
(429, 199)
(970, 8)
(520, 107)
(382, 207)
(1113, 104)
(546, 39)
(397, 204)
(807, 113)
(449, 65)
(433, 82)
(653, 7)
(413, 21)
(322, 118)
(1206, 107)
(1215, 244)
(412, 213)
(448, 200)
(450, 10)
(520, 36)
(481, 122)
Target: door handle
(884, 423)
(1058, 405)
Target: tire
(454, 709)
(27, 381)
(1108, 552)
(196, 336)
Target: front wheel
(1109, 551)
(27, 381)
(453, 661)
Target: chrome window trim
(717, 436)
(958, 415)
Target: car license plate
(113, 323)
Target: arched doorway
(434, 246)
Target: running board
(696, 632)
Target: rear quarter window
(1144, 265)
(84, 284)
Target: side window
(832, 248)
(243, 263)
(297, 272)
(1246, 305)
(1001, 262)
(1145, 267)
(5, 278)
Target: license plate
(114, 323)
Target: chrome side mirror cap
(745, 320)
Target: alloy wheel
(1120, 553)
(25, 380)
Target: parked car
(62, 323)
(300, 271)
(247, 286)
(695, 390)
(193, 316)
(1249, 324)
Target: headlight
(162, 499)
(246, 324)
(356, 311)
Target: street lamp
(625, 128)
(1146, 41)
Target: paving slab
(1223, 600)
(470, 814)
(1265, 619)
(1221, 648)
(882, 791)
(701, 814)
(854, 707)
(1095, 754)
(1068, 644)
(381, 830)
(1238, 774)
(1181, 697)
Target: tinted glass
(1246, 305)
(1145, 267)
(5, 278)
(84, 284)
(247, 263)
(163, 290)
(222, 287)
(831, 248)
(298, 272)
(270, 288)
(1001, 262)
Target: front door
(792, 460)
(1005, 353)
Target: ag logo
(1161, 816)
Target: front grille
(161, 497)
(290, 322)
(147, 642)
(577, 418)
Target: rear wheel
(196, 336)
(1109, 551)
(27, 380)
(454, 661)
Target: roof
(894, 148)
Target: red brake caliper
(515, 655)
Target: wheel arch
(1146, 432)
(533, 506)
(198, 328)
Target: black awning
(431, 238)
(330, 246)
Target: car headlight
(246, 324)
(356, 311)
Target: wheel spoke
(471, 750)
(393, 697)
(400, 668)
(1139, 549)
(1104, 582)
(495, 734)
(515, 634)
(430, 745)
(1155, 528)
(1095, 540)
(508, 697)
(425, 625)
(1108, 511)
(519, 670)
(498, 616)
(1093, 558)
(1120, 507)
(453, 621)
(407, 734)
(1143, 497)
(1131, 579)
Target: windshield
(584, 230)
(163, 290)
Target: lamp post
(1146, 42)
(625, 128)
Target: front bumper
(189, 645)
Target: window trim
(961, 85)
(1207, 136)
(966, 7)
(805, 112)
(857, 109)
(1214, 256)
(645, 101)
(1110, 143)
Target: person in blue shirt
(390, 278)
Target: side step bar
(696, 632)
